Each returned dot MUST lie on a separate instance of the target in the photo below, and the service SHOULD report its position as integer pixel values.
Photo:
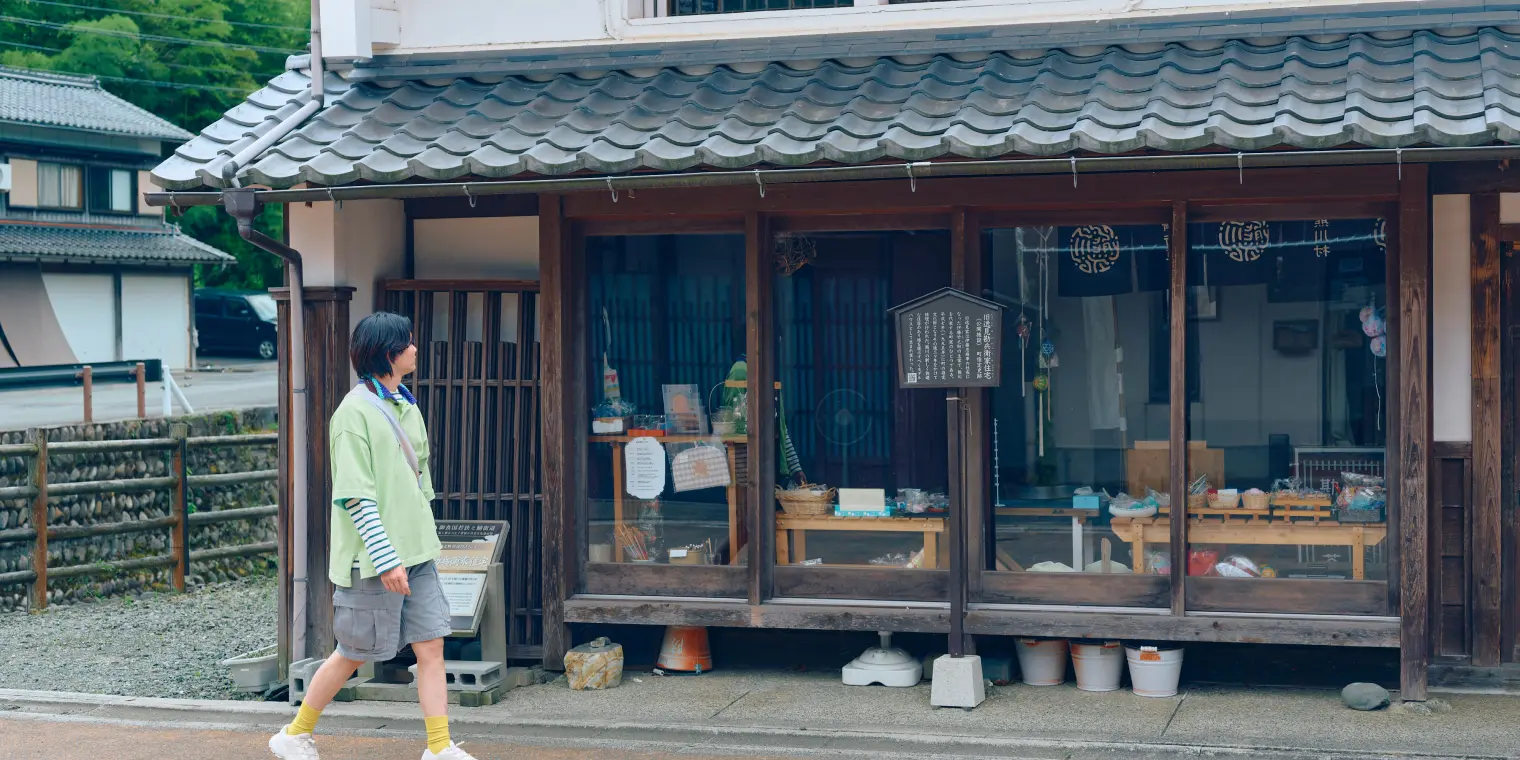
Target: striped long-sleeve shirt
(366, 518)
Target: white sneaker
(298, 747)
(451, 752)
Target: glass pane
(1079, 428)
(1289, 391)
(665, 318)
(70, 183)
(121, 190)
(845, 425)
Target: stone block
(958, 682)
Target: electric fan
(844, 420)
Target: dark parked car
(235, 322)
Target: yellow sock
(437, 732)
(305, 722)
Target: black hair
(378, 339)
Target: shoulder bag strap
(390, 417)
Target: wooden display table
(1081, 541)
(795, 528)
(1255, 528)
(619, 489)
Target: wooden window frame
(973, 204)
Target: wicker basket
(1218, 501)
(804, 502)
(1257, 501)
(1197, 501)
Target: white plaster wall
(1451, 318)
(85, 305)
(498, 248)
(357, 245)
(155, 319)
(418, 26)
(1509, 208)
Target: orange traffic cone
(685, 650)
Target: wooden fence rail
(178, 522)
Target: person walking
(384, 544)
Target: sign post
(952, 340)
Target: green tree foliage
(145, 52)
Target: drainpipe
(313, 104)
(243, 205)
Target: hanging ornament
(1047, 349)
(1042, 383)
(1374, 327)
(1379, 346)
(1367, 313)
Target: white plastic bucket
(1099, 664)
(1154, 671)
(1042, 662)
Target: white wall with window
(364, 28)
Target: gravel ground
(155, 645)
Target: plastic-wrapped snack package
(1158, 562)
(1237, 566)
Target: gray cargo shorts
(372, 624)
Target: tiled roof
(59, 100)
(97, 245)
(1421, 88)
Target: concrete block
(958, 682)
(997, 668)
(464, 675)
(301, 673)
(515, 678)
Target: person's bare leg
(433, 693)
(328, 679)
(294, 742)
(432, 683)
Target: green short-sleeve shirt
(368, 463)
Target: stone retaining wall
(89, 510)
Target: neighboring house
(88, 271)
(1254, 242)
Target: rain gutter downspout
(313, 104)
(243, 204)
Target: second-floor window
(703, 7)
(111, 190)
(59, 186)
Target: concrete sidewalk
(813, 713)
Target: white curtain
(1098, 323)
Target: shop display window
(1288, 408)
(1078, 430)
(668, 440)
(863, 464)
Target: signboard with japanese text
(949, 339)
(470, 546)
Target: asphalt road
(230, 384)
(33, 739)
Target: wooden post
(1487, 429)
(1410, 497)
(759, 336)
(88, 375)
(1179, 408)
(140, 372)
(181, 513)
(38, 438)
(561, 400)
